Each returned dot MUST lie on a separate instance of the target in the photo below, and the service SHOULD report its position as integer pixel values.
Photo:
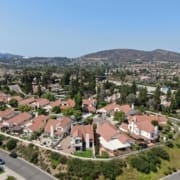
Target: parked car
(13, 155)
(2, 162)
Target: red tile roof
(125, 108)
(113, 106)
(51, 122)
(124, 126)
(27, 101)
(38, 123)
(7, 112)
(70, 103)
(55, 103)
(42, 102)
(57, 124)
(123, 138)
(65, 121)
(145, 125)
(82, 130)
(161, 119)
(107, 131)
(19, 119)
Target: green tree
(157, 100)
(131, 99)
(49, 96)
(56, 109)
(169, 94)
(2, 106)
(13, 103)
(155, 123)
(11, 144)
(24, 108)
(143, 96)
(39, 91)
(41, 111)
(119, 116)
(78, 101)
(173, 105)
(134, 87)
(177, 97)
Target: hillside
(118, 56)
(107, 57)
(20, 61)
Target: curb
(27, 162)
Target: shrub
(149, 161)
(169, 144)
(11, 178)
(2, 138)
(56, 109)
(160, 153)
(34, 157)
(104, 154)
(178, 145)
(92, 170)
(11, 144)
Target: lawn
(166, 166)
(87, 153)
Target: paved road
(175, 176)
(24, 169)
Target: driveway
(24, 169)
(66, 145)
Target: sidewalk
(8, 172)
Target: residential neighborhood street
(23, 168)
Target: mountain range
(118, 56)
(106, 57)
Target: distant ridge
(118, 56)
(106, 57)
(9, 56)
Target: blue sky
(76, 27)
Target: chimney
(51, 131)
(132, 106)
(134, 118)
(87, 141)
(38, 105)
(36, 114)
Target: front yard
(87, 153)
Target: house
(63, 104)
(27, 101)
(37, 124)
(110, 109)
(111, 140)
(55, 103)
(58, 128)
(18, 120)
(82, 137)
(40, 103)
(89, 105)
(141, 127)
(70, 103)
(52, 104)
(7, 114)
